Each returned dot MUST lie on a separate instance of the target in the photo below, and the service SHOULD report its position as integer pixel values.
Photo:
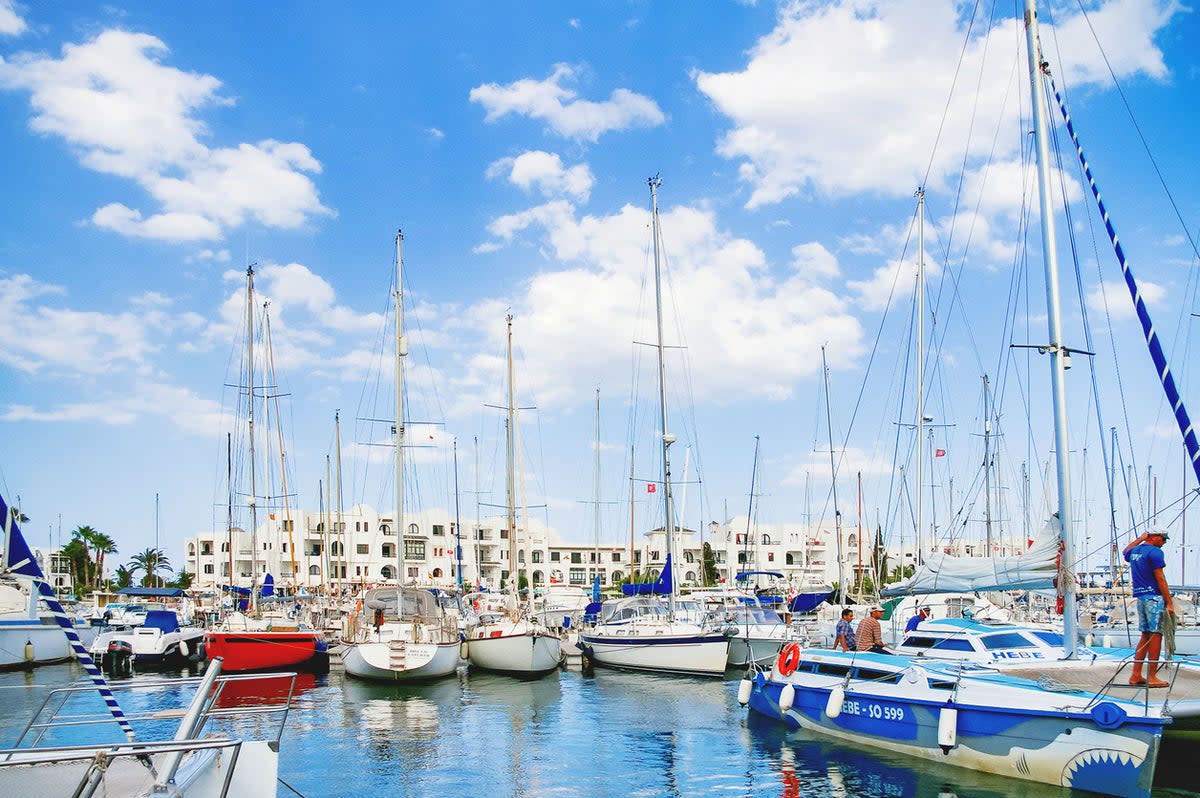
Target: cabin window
(938, 684)
(877, 676)
(827, 669)
(1049, 638)
(953, 644)
(1006, 640)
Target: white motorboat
(403, 636)
(28, 635)
(158, 642)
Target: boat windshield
(637, 608)
(405, 603)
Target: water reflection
(807, 765)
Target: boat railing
(99, 760)
(225, 698)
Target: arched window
(537, 576)
(690, 576)
(314, 570)
(385, 529)
(617, 576)
(852, 541)
(766, 540)
(789, 559)
(320, 526)
(521, 556)
(225, 546)
(437, 573)
(689, 556)
(413, 529)
(191, 549)
(386, 572)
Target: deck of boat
(1182, 697)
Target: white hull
(528, 652)
(400, 661)
(49, 643)
(701, 655)
(760, 646)
(152, 647)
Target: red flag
(939, 452)
(651, 487)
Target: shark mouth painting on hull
(1104, 770)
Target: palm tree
(149, 562)
(102, 544)
(122, 577)
(76, 555)
(84, 535)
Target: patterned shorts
(1150, 610)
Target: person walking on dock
(1150, 591)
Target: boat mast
(750, 512)
(398, 459)
(1059, 353)
(339, 527)
(920, 558)
(837, 513)
(596, 489)
(510, 486)
(229, 508)
(478, 523)
(326, 559)
(987, 468)
(250, 437)
(667, 437)
(457, 523)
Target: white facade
(360, 548)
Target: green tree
(709, 558)
(183, 580)
(102, 545)
(149, 562)
(122, 577)
(79, 563)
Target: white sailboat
(642, 632)
(1071, 723)
(514, 641)
(403, 634)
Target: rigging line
(1152, 341)
(1133, 120)
(950, 95)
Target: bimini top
(151, 592)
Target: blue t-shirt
(913, 622)
(1143, 561)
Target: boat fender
(1089, 640)
(787, 697)
(1108, 641)
(1108, 715)
(837, 697)
(789, 659)
(28, 650)
(183, 648)
(744, 688)
(463, 650)
(947, 728)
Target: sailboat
(1071, 723)
(404, 634)
(642, 632)
(514, 641)
(254, 642)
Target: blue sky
(153, 150)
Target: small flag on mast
(651, 487)
(939, 452)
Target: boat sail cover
(659, 587)
(1033, 569)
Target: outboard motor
(120, 657)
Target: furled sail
(1033, 569)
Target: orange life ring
(789, 659)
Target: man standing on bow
(1150, 591)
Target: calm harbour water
(608, 734)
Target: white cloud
(38, 337)
(561, 108)
(11, 23)
(215, 256)
(186, 411)
(814, 261)
(800, 127)
(575, 23)
(751, 333)
(127, 114)
(435, 133)
(545, 172)
(1116, 295)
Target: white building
(360, 547)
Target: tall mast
(510, 484)
(750, 510)
(339, 527)
(401, 353)
(667, 437)
(1113, 562)
(229, 508)
(478, 523)
(250, 436)
(596, 488)
(1059, 354)
(987, 467)
(920, 366)
(326, 559)
(837, 514)
(457, 523)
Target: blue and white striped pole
(19, 559)
(1156, 350)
